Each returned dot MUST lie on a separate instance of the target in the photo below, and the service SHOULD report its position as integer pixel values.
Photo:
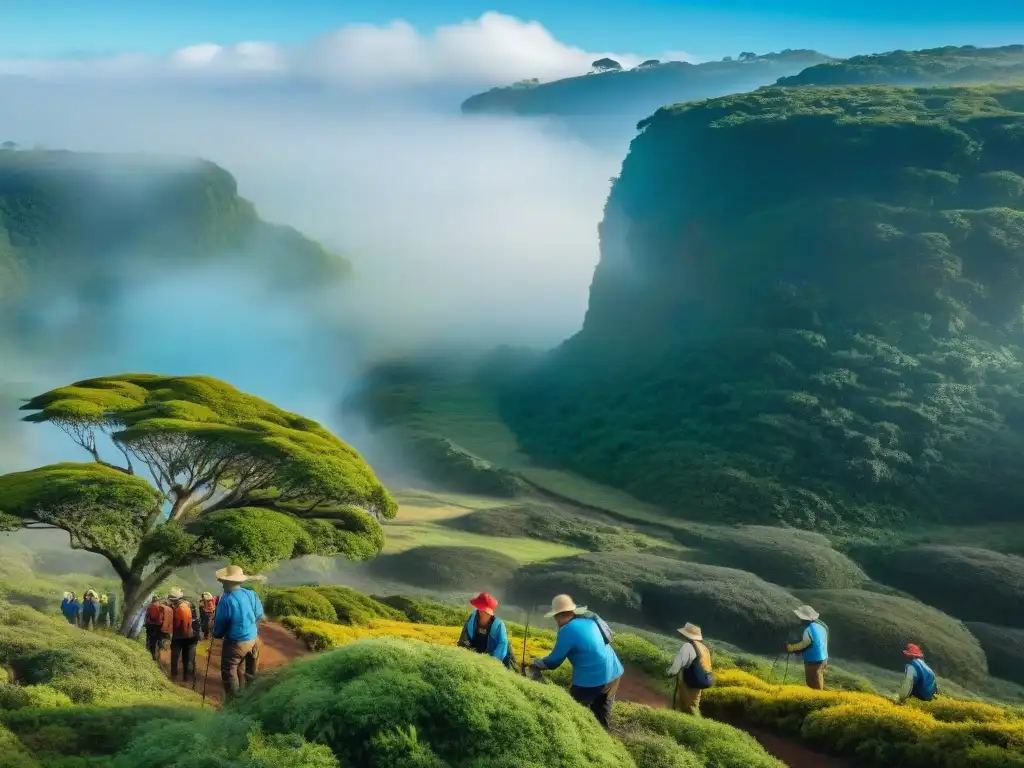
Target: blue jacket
(69, 608)
(582, 642)
(497, 639)
(925, 684)
(237, 614)
(814, 644)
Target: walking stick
(771, 672)
(785, 676)
(526, 637)
(206, 677)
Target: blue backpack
(696, 676)
(925, 685)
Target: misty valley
(725, 353)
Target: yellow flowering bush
(958, 710)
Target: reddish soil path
(278, 647)
(638, 688)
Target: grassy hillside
(950, 65)
(89, 222)
(837, 345)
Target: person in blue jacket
(239, 611)
(813, 646)
(585, 640)
(70, 607)
(484, 632)
(918, 679)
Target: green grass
(447, 567)
(402, 537)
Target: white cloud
(493, 49)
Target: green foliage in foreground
(875, 628)
(836, 346)
(933, 66)
(87, 667)
(549, 523)
(970, 583)
(236, 479)
(442, 567)
(403, 703)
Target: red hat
(913, 652)
(484, 602)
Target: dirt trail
(278, 647)
(638, 688)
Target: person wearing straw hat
(692, 670)
(918, 679)
(183, 637)
(484, 632)
(235, 623)
(584, 639)
(207, 607)
(813, 646)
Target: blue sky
(708, 29)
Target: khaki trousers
(686, 700)
(814, 674)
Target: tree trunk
(134, 598)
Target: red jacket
(155, 614)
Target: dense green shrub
(447, 567)
(86, 731)
(298, 601)
(36, 696)
(875, 628)
(1004, 649)
(88, 667)
(716, 745)
(421, 610)
(655, 750)
(549, 522)
(351, 607)
(13, 754)
(970, 583)
(223, 740)
(784, 556)
(412, 703)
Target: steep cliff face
(808, 309)
(88, 220)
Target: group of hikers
(584, 638)
(231, 617)
(93, 610)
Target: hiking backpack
(696, 676)
(926, 687)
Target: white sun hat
(564, 604)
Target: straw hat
(913, 652)
(806, 613)
(691, 632)
(234, 574)
(564, 604)
(207, 596)
(175, 593)
(485, 603)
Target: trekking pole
(526, 637)
(785, 677)
(771, 672)
(206, 677)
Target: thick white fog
(462, 231)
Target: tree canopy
(236, 478)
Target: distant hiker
(207, 607)
(184, 635)
(90, 609)
(70, 607)
(813, 646)
(484, 632)
(585, 639)
(235, 622)
(154, 625)
(692, 669)
(105, 619)
(918, 679)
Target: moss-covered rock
(392, 702)
(305, 602)
(447, 567)
(836, 344)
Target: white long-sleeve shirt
(908, 683)
(684, 658)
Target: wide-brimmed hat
(806, 613)
(175, 593)
(234, 574)
(691, 632)
(912, 652)
(484, 602)
(564, 604)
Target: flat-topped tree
(236, 478)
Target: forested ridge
(807, 310)
(85, 220)
(948, 65)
